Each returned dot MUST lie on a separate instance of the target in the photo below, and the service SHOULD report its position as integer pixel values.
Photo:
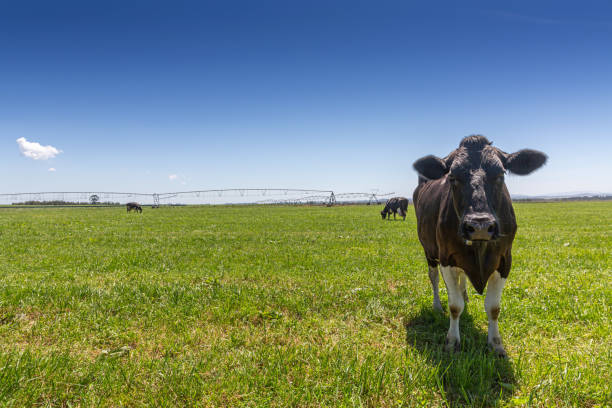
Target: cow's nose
(479, 228)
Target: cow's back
(391, 203)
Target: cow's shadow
(472, 377)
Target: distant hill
(577, 196)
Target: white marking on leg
(452, 277)
(492, 302)
(434, 277)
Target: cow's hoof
(452, 345)
(497, 347)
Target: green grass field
(292, 306)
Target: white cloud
(52, 169)
(36, 151)
(178, 178)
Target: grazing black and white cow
(395, 205)
(466, 224)
(133, 206)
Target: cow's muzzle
(479, 227)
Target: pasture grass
(292, 306)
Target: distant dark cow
(395, 205)
(134, 206)
(466, 223)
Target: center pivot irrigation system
(194, 197)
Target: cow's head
(476, 172)
(384, 214)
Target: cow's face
(475, 173)
(476, 178)
(384, 214)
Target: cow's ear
(431, 167)
(525, 161)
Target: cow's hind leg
(434, 277)
(452, 277)
(495, 286)
(462, 281)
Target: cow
(133, 206)
(466, 224)
(395, 205)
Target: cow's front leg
(452, 278)
(495, 286)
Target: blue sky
(318, 94)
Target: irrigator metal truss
(340, 198)
(194, 197)
(239, 196)
(75, 197)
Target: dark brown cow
(133, 206)
(466, 224)
(393, 206)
